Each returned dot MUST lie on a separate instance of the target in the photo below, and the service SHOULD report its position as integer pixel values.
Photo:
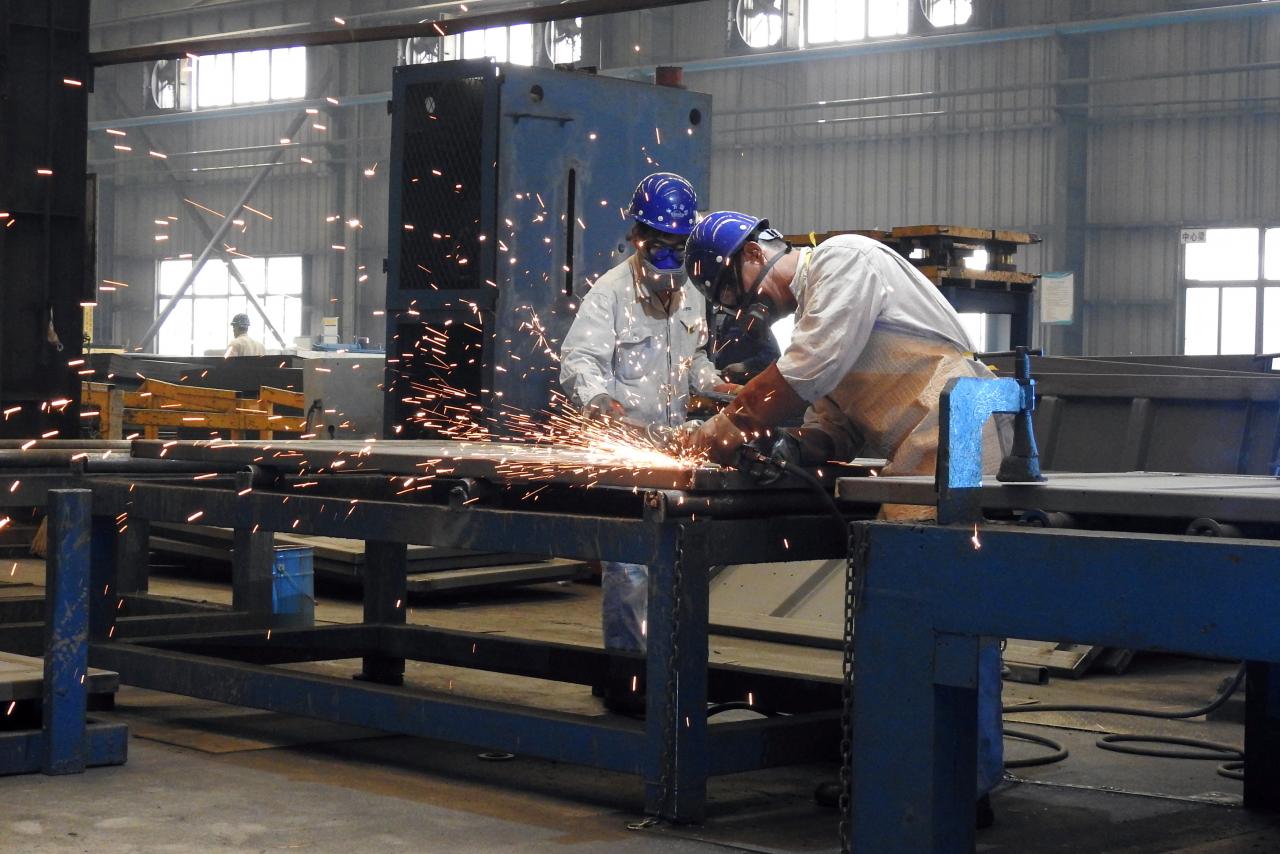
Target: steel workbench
(677, 523)
(926, 598)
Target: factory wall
(1183, 151)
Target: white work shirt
(875, 344)
(847, 288)
(623, 343)
(243, 345)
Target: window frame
(233, 292)
(267, 81)
(1260, 284)
(807, 42)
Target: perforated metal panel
(508, 192)
(441, 201)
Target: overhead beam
(389, 32)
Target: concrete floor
(206, 777)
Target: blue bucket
(293, 599)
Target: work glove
(726, 388)
(767, 459)
(604, 406)
(718, 438)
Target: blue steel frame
(928, 599)
(66, 743)
(675, 749)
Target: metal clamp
(965, 406)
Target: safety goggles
(727, 291)
(664, 256)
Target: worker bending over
(873, 348)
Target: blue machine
(509, 188)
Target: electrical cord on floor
(1233, 768)
(1059, 752)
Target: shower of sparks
(977, 544)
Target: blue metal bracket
(965, 406)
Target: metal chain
(846, 712)
(669, 759)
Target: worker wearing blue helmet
(634, 351)
(874, 345)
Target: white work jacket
(243, 345)
(623, 343)
(874, 345)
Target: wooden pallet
(953, 275)
(157, 405)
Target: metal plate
(1226, 498)
(492, 461)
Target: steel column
(66, 656)
(252, 556)
(133, 557)
(103, 593)
(385, 581)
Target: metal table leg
(677, 769)
(913, 761)
(252, 556)
(103, 589)
(133, 558)
(385, 580)
(1262, 736)
(66, 657)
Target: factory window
(564, 41)
(201, 322)
(759, 22)
(224, 79)
(828, 21)
(947, 13)
(1231, 294)
(512, 44)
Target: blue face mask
(664, 257)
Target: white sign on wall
(1057, 298)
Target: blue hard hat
(712, 245)
(667, 202)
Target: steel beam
(602, 742)
(356, 35)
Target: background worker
(874, 345)
(241, 344)
(633, 352)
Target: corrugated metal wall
(1192, 151)
(1196, 150)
